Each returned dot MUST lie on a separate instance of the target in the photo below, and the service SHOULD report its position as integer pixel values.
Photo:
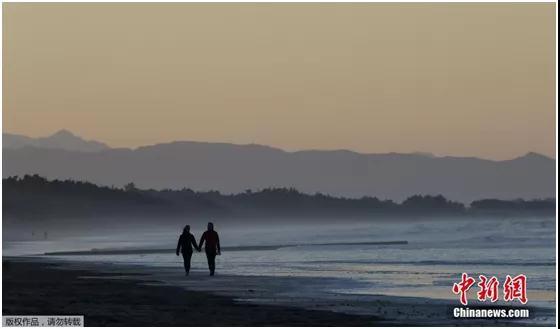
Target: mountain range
(62, 139)
(232, 168)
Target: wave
(436, 262)
(130, 251)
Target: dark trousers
(211, 256)
(187, 261)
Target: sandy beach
(34, 287)
(119, 295)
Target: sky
(456, 79)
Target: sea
(406, 258)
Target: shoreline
(35, 287)
(163, 296)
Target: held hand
(219, 252)
(177, 253)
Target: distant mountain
(62, 139)
(233, 168)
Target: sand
(43, 288)
(128, 295)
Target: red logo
(488, 288)
(514, 288)
(462, 287)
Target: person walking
(212, 247)
(185, 246)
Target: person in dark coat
(212, 247)
(185, 246)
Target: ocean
(342, 257)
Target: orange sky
(453, 79)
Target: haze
(453, 79)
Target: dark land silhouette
(231, 168)
(32, 198)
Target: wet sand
(134, 295)
(43, 288)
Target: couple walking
(187, 242)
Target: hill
(63, 139)
(234, 168)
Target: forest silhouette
(33, 197)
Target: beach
(117, 295)
(35, 287)
(343, 272)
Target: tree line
(34, 197)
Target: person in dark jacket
(185, 246)
(212, 247)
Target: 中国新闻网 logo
(514, 288)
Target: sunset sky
(452, 79)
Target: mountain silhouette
(63, 139)
(232, 168)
